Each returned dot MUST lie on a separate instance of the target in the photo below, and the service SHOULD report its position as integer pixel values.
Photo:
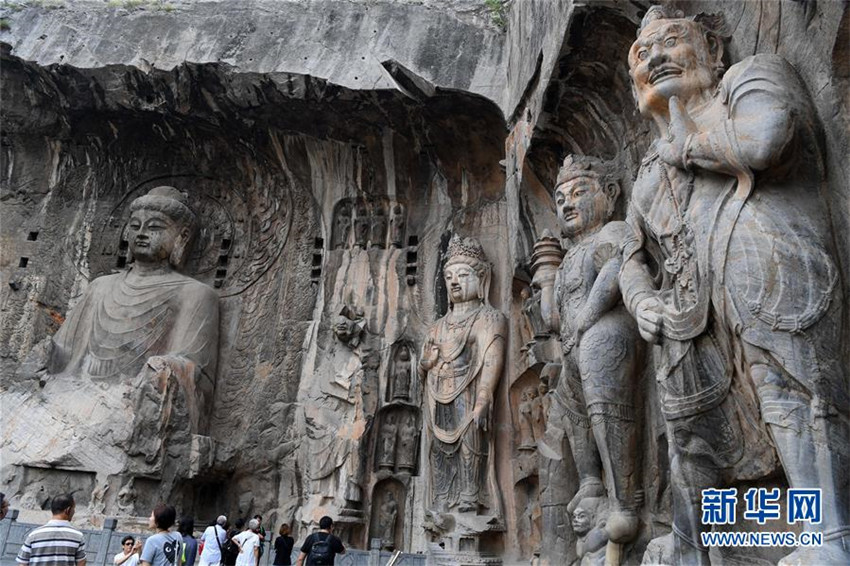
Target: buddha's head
(586, 192)
(467, 271)
(161, 227)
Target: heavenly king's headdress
(576, 166)
(714, 23)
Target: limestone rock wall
(333, 148)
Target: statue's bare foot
(622, 526)
(468, 507)
(590, 487)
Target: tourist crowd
(58, 543)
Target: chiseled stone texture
(450, 43)
(275, 116)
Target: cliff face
(416, 118)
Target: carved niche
(397, 440)
(369, 223)
(386, 527)
(400, 377)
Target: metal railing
(103, 544)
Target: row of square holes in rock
(31, 237)
(410, 270)
(223, 258)
(220, 273)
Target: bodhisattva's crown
(576, 166)
(465, 247)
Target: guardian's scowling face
(671, 58)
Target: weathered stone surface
(728, 203)
(330, 150)
(449, 43)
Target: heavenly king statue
(462, 361)
(730, 268)
(602, 352)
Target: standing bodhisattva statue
(730, 268)
(462, 360)
(602, 351)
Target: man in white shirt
(213, 539)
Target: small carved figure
(526, 428)
(538, 417)
(378, 233)
(589, 518)
(349, 325)
(545, 401)
(401, 381)
(601, 346)
(397, 223)
(97, 505)
(727, 206)
(127, 497)
(389, 433)
(361, 226)
(407, 445)
(462, 362)
(388, 513)
(532, 312)
(342, 226)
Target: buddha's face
(152, 235)
(671, 58)
(581, 205)
(462, 282)
(581, 521)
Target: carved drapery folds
(368, 376)
(141, 344)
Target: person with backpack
(165, 548)
(229, 550)
(212, 542)
(186, 527)
(248, 542)
(321, 548)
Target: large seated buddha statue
(129, 376)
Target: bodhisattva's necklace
(455, 322)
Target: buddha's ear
(180, 253)
(612, 193)
(126, 238)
